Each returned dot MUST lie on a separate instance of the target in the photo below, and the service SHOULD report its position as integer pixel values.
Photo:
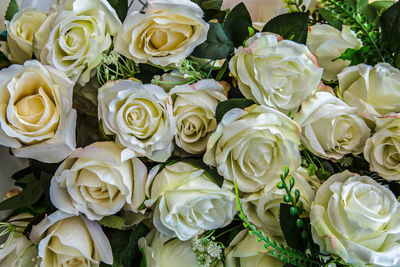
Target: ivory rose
(331, 129)
(99, 180)
(36, 116)
(328, 44)
(245, 251)
(187, 202)
(382, 150)
(20, 32)
(162, 251)
(375, 90)
(262, 208)
(357, 219)
(68, 240)
(194, 111)
(168, 32)
(277, 73)
(74, 35)
(140, 116)
(253, 146)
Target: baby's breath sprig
(207, 250)
(9, 230)
(113, 67)
(280, 251)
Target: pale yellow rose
(68, 240)
(357, 219)
(253, 146)
(36, 116)
(168, 32)
(20, 32)
(382, 149)
(194, 111)
(99, 180)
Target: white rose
(357, 219)
(74, 37)
(280, 74)
(68, 240)
(162, 251)
(20, 32)
(36, 116)
(327, 44)
(382, 150)
(253, 146)
(188, 201)
(194, 111)
(373, 89)
(245, 251)
(168, 32)
(99, 180)
(330, 128)
(140, 116)
(262, 208)
(19, 253)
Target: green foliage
(121, 7)
(11, 10)
(237, 23)
(125, 245)
(217, 46)
(112, 221)
(376, 9)
(355, 56)
(209, 4)
(295, 6)
(224, 106)
(347, 14)
(390, 25)
(29, 195)
(280, 251)
(291, 25)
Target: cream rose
(331, 129)
(194, 111)
(75, 35)
(357, 219)
(187, 202)
(373, 89)
(245, 251)
(68, 240)
(382, 150)
(140, 116)
(280, 74)
(168, 32)
(327, 44)
(162, 251)
(262, 208)
(99, 180)
(253, 146)
(36, 116)
(20, 32)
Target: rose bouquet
(182, 134)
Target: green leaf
(27, 197)
(132, 253)
(217, 45)
(237, 23)
(121, 7)
(376, 9)
(390, 24)
(210, 172)
(224, 106)
(112, 221)
(209, 4)
(326, 15)
(11, 10)
(290, 231)
(286, 25)
(362, 6)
